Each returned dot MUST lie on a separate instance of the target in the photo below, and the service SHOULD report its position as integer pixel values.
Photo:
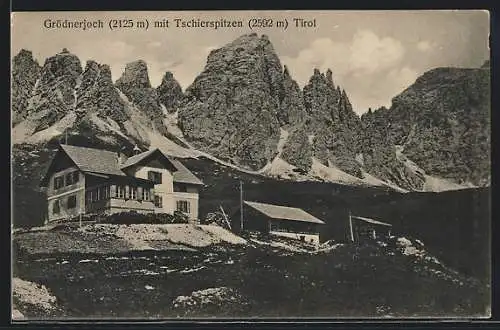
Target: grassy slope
(350, 281)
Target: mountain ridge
(238, 106)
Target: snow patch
(431, 183)
(23, 132)
(435, 184)
(192, 270)
(281, 143)
(209, 296)
(169, 147)
(372, 180)
(280, 168)
(170, 121)
(106, 126)
(332, 174)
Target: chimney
(121, 156)
(136, 150)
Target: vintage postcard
(250, 164)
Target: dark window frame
(180, 187)
(155, 176)
(71, 202)
(146, 194)
(58, 182)
(56, 207)
(183, 206)
(158, 201)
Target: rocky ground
(258, 277)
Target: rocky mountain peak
(329, 77)
(136, 86)
(135, 76)
(62, 65)
(286, 73)
(97, 94)
(53, 95)
(292, 111)
(232, 106)
(170, 92)
(333, 122)
(25, 73)
(24, 56)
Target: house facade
(83, 180)
(284, 221)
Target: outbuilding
(278, 220)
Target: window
(158, 201)
(56, 208)
(94, 195)
(180, 187)
(69, 179)
(145, 194)
(72, 178)
(120, 191)
(58, 182)
(71, 202)
(183, 206)
(104, 192)
(154, 176)
(133, 192)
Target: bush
(129, 218)
(180, 217)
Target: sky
(374, 55)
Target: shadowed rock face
(52, 97)
(441, 122)
(63, 98)
(292, 110)
(96, 93)
(333, 123)
(297, 150)
(170, 92)
(134, 83)
(231, 108)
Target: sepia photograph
(171, 165)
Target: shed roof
(372, 221)
(283, 212)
